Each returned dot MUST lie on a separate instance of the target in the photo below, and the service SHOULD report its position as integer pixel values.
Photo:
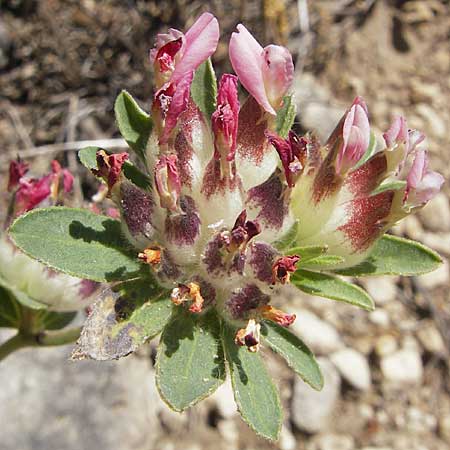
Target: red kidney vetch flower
(57, 291)
(227, 187)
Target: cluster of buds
(227, 187)
(22, 274)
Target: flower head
(267, 73)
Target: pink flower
(109, 167)
(225, 119)
(58, 173)
(268, 312)
(266, 73)
(168, 182)
(292, 152)
(17, 169)
(30, 193)
(422, 184)
(397, 132)
(355, 136)
(283, 267)
(176, 58)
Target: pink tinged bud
(226, 117)
(164, 59)
(168, 182)
(276, 315)
(355, 136)
(58, 174)
(17, 169)
(172, 103)
(201, 43)
(109, 167)
(292, 153)
(30, 193)
(278, 73)
(422, 184)
(266, 73)
(283, 267)
(397, 132)
(250, 336)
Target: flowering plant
(222, 207)
(35, 299)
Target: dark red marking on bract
(215, 183)
(183, 228)
(268, 196)
(327, 181)
(252, 143)
(190, 121)
(214, 253)
(366, 178)
(261, 260)
(244, 300)
(168, 269)
(137, 208)
(367, 219)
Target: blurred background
(63, 62)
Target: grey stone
(319, 335)
(403, 367)
(312, 410)
(353, 367)
(50, 403)
(223, 400)
(335, 442)
(381, 289)
(436, 214)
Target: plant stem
(15, 343)
(60, 337)
(43, 339)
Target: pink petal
(417, 171)
(225, 119)
(17, 169)
(31, 193)
(201, 43)
(246, 56)
(429, 186)
(178, 105)
(397, 132)
(278, 72)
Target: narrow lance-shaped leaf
(286, 116)
(298, 356)
(190, 363)
(255, 394)
(123, 319)
(331, 287)
(392, 255)
(135, 125)
(204, 88)
(77, 242)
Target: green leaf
(190, 363)
(255, 394)
(288, 238)
(135, 125)
(390, 185)
(331, 287)
(51, 320)
(298, 356)
(371, 150)
(10, 311)
(77, 242)
(88, 158)
(123, 319)
(286, 116)
(322, 262)
(392, 255)
(204, 88)
(308, 253)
